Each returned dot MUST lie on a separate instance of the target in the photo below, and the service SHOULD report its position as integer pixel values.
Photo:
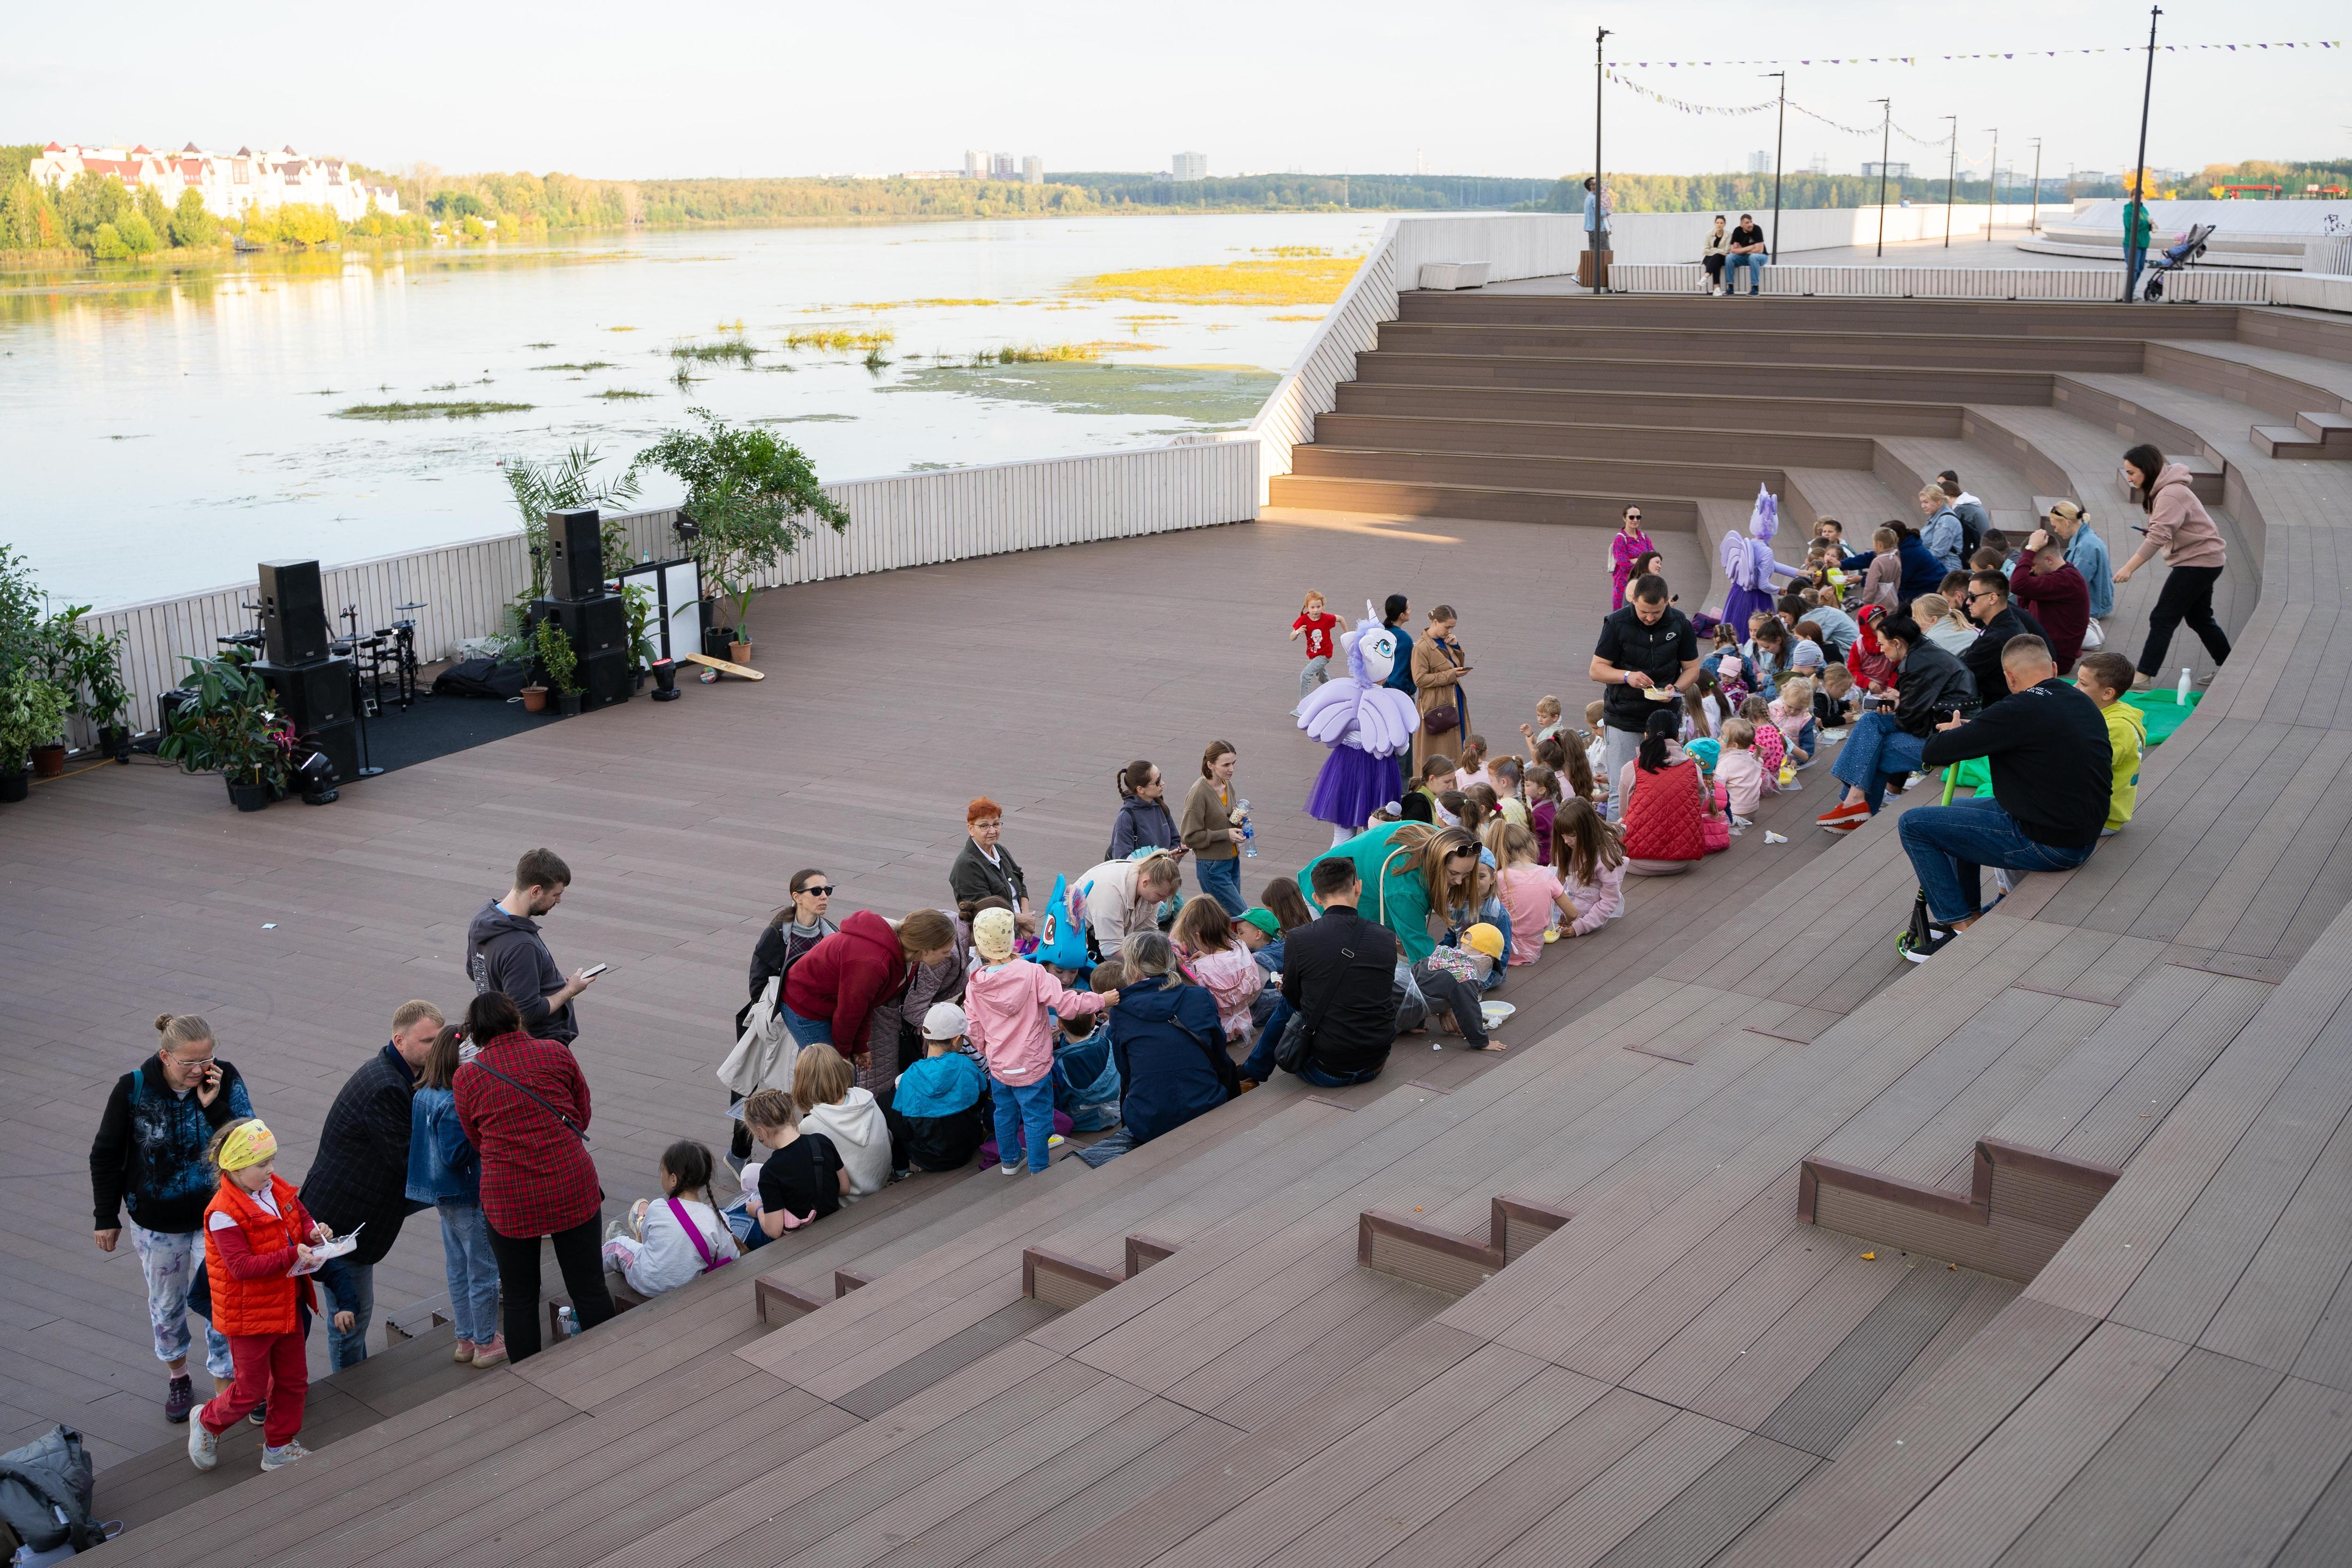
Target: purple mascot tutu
(1749, 565)
(1367, 726)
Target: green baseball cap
(1263, 918)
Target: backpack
(44, 1494)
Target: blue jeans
(1027, 1109)
(805, 1031)
(347, 1287)
(1877, 747)
(1950, 845)
(472, 1270)
(1310, 1073)
(1260, 1064)
(1222, 880)
(1749, 262)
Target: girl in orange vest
(257, 1257)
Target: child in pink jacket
(1739, 770)
(1006, 1003)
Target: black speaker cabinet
(293, 612)
(603, 679)
(310, 696)
(341, 742)
(576, 554)
(595, 625)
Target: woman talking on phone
(148, 1156)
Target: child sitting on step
(1213, 957)
(1453, 975)
(1739, 770)
(676, 1240)
(799, 1179)
(938, 1109)
(1592, 865)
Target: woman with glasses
(1626, 547)
(791, 931)
(986, 868)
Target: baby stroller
(2186, 251)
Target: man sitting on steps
(1339, 973)
(2047, 748)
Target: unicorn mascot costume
(1366, 725)
(1749, 565)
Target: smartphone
(593, 970)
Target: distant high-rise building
(1033, 170)
(975, 165)
(1760, 162)
(1893, 171)
(1189, 166)
(1000, 166)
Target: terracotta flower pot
(534, 700)
(50, 760)
(740, 653)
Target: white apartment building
(231, 183)
(1189, 166)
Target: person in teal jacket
(2138, 231)
(1401, 865)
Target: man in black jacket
(1647, 646)
(359, 1174)
(1339, 974)
(1987, 605)
(2052, 771)
(1929, 685)
(504, 951)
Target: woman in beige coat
(1438, 666)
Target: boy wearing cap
(1450, 978)
(1008, 1001)
(935, 1109)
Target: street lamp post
(1600, 184)
(2139, 165)
(1951, 175)
(1779, 140)
(2033, 216)
(1993, 186)
(1885, 140)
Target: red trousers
(271, 1367)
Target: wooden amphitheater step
(1519, 470)
(1496, 503)
(1594, 373)
(2312, 434)
(1685, 410)
(2022, 319)
(1441, 429)
(1749, 345)
(1422, 1254)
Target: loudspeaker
(603, 679)
(341, 742)
(293, 612)
(576, 554)
(312, 696)
(595, 625)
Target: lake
(162, 430)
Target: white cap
(944, 1021)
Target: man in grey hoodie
(504, 951)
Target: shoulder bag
(694, 1234)
(569, 1126)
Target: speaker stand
(358, 707)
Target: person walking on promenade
(1438, 665)
(1627, 546)
(504, 951)
(2180, 527)
(149, 1157)
(1212, 828)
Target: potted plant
(560, 664)
(32, 710)
(748, 493)
(637, 599)
(90, 671)
(229, 728)
(561, 485)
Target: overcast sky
(617, 87)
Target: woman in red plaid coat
(524, 1106)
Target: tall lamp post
(1600, 184)
(1885, 140)
(2139, 163)
(1952, 174)
(1779, 140)
(2033, 215)
(1992, 185)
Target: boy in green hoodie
(2104, 678)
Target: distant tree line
(1313, 192)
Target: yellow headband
(248, 1143)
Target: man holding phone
(504, 951)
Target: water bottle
(2181, 693)
(1249, 831)
(567, 1323)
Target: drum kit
(388, 653)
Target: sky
(785, 87)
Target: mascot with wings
(1749, 565)
(1366, 725)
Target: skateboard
(720, 667)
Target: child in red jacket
(258, 1242)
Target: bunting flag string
(1994, 55)
(1687, 107)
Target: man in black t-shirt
(1746, 254)
(1647, 646)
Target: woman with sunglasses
(1625, 548)
(791, 931)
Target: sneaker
(2000, 880)
(463, 1353)
(260, 1414)
(898, 1175)
(180, 1400)
(1938, 939)
(1054, 1140)
(1013, 1167)
(491, 1354)
(204, 1448)
(1845, 824)
(1844, 812)
(283, 1455)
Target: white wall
(1679, 236)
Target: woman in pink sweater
(2178, 525)
(1006, 1005)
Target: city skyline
(1128, 88)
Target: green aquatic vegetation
(465, 409)
(1205, 394)
(619, 391)
(742, 353)
(583, 365)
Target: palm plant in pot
(559, 662)
(32, 714)
(229, 728)
(748, 493)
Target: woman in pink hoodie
(1005, 1004)
(2178, 525)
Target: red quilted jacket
(1662, 821)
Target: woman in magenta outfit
(1628, 545)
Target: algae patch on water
(454, 410)
(1218, 395)
(1280, 280)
